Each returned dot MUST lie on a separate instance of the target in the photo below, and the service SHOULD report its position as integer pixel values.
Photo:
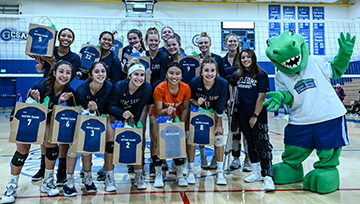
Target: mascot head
(288, 52)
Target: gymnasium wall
(89, 19)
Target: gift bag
(171, 140)
(128, 146)
(41, 40)
(202, 128)
(146, 62)
(117, 47)
(89, 54)
(90, 134)
(28, 124)
(62, 124)
(191, 66)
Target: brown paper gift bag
(202, 128)
(29, 123)
(90, 134)
(147, 63)
(62, 124)
(171, 140)
(128, 146)
(41, 40)
(191, 66)
(117, 47)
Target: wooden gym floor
(205, 190)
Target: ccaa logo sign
(12, 34)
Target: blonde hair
(151, 31)
(204, 34)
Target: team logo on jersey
(8, 34)
(195, 39)
(304, 84)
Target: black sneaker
(152, 170)
(39, 175)
(131, 170)
(69, 191)
(91, 188)
(61, 179)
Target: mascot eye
(268, 43)
(291, 33)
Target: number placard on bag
(202, 128)
(90, 134)
(62, 124)
(29, 123)
(41, 40)
(171, 140)
(89, 54)
(146, 62)
(128, 146)
(191, 66)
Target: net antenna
(140, 8)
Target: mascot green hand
(303, 81)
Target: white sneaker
(254, 176)
(235, 163)
(172, 169)
(180, 177)
(110, 183)
(49, 187)
(139, 182)
(213, 164)
(191, 177)
(220, 178)
(247, 166)
(159, 183)
(269, 184)
(186, 168)
(204, 162)
(10, 193)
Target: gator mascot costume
(317, 116)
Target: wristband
(254, 115)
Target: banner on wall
(318, 13)
(274, 29)
(319, 38)
(274, 12)
(290, 26)
(303, 13)
(304, 30)
(12, 34)
(289, 12)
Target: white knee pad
(219, 140)
(70, 153)
(236, 145)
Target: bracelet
(254, 115)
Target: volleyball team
(118, 89)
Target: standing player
(66, 37)
(172, 97)
(252, 85)
(57, 87)
(93, 94)
(126, 102)
(208, 87)
(166, 32)
(136, 44)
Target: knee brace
(70, 153)
(156, 160)
(52, 153)
(180, 161)
(236, 145)
(109, 148)
(219, 140)
(19, 159)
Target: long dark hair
(92, 67)
(50, 80)
(174, 64)
(107, 32)
(68, 30)
(255, 69)
(139, 34)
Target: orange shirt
(162, 93)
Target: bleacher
(352, 92)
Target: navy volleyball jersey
(202, 125)
(93, 129)
(121, 100)
(216, 95)
(84, 95)
(67, 123)
(248, 90)
(128, 141)
(114, 68)
(89, 54)
(228, 69)
(71, 57)
(219, 62)
(189, 65)
(40, 40)
(158, 65)
(172, 136)
(29, 121)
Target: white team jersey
(315, 100)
